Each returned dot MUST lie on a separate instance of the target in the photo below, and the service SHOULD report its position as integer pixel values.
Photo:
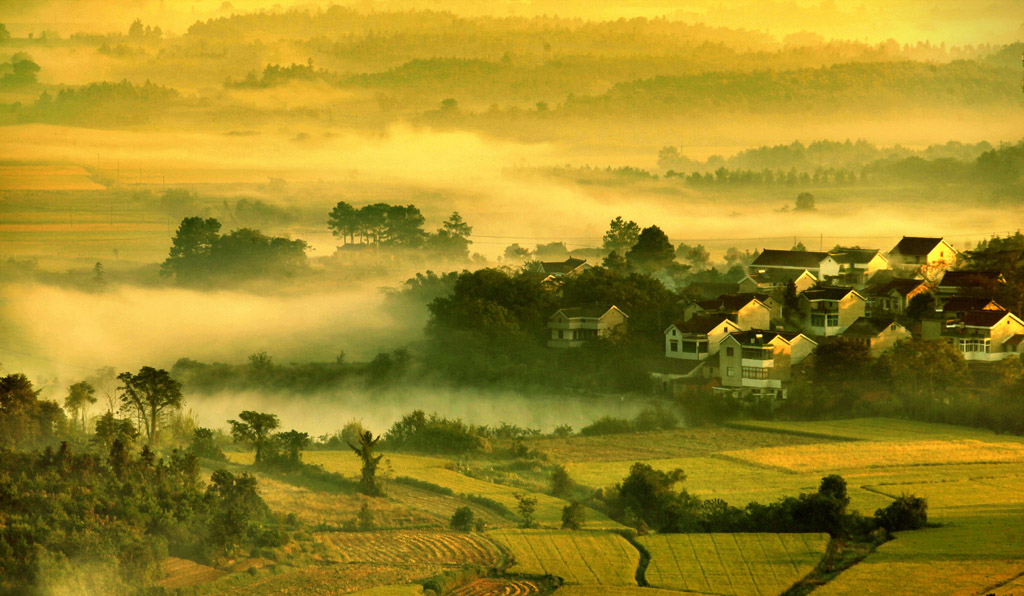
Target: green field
(880, 429)
(732, 564)
(589, 558)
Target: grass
(591, 558)
(836, 457)
(732, 564)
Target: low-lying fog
(327, 412)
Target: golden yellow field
(589, 558)
(46, 177)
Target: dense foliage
(63, 514)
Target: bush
(561, 483)
(462, 520)
(607, 426)
(573, 516)
(907, 512)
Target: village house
(877, 333)
(756, 363)
(800, 346)
(858, 265)
(828, 311)
(980, 335)
(570, 267)
(892, 297)
(820, 264)
(958, 305)
(913, 252)
(698, 338)
(571, 327)
(748, 310)
(774, 281)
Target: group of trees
(648, 499)
(200, 253)
(281, 450)
(123, 513)
(383, 225)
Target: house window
(975, 345)
(832, 321)
(755, 372)
(817, 320)
(728, 352)
(673, 346)
(730, 372)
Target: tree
(697, 256)
(25, 420)
(907, 512)
(191, 248)
(561, 483)
(343, 221)
(136, 29)
(573, 516)
(791, 300)
(919, 367)
(804, 202)
(621, 235)
(80, 395)
(526, 506)
(799, 247)
(462, 520)
(110, 429)
(514, 252)
(452, 238)
(650, 495)
(4, 34)
(920, 305)
(149, 394)
(652, 251)
(292, 443)
(254, 429)
(368, 480)
(669, 159)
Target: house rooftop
(969, 303)
(855, 256)
(965, 278)
(1014, 340)
(713, 289)
(916, 246)
(756, 337)
(566, 266)
(868, 327)
(780, 276)
(587, 312)
(732, 302)
(827, 293)
(701, 324)
(789, 258)
(983, 318)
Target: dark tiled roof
(868, 327)
(826, 293)
(779, 276)
(565, 266)
(966, 278)
(731, 302)
(983, 318)
(676, 366)
(913, 245)
(791, 335)
(855, 256)
(586, 312)
(789, 258)
(701, 324)
(755, 336)
(968, 303)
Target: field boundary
(786, 431)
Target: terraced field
(497, 587)
(732, 564)
(592, 558)
(407, 547)
(182, 573)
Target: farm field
(619, 591)
(182, 573)
(498, 587)
(592, 558)
(404, 547)
(732, 564)
(879, 429)
(665, 444)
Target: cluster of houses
(735, 337)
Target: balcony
(757, 362)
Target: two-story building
(980, 335)
(748, 310)
(757, 363)
(879, 334)
(914, 252)
(828, 311)
(820, 264)
(698, 338)
(571, 327)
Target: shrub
(907, 512)
(561, 483)
(462, 520)
(573, 516)
(607, 425)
